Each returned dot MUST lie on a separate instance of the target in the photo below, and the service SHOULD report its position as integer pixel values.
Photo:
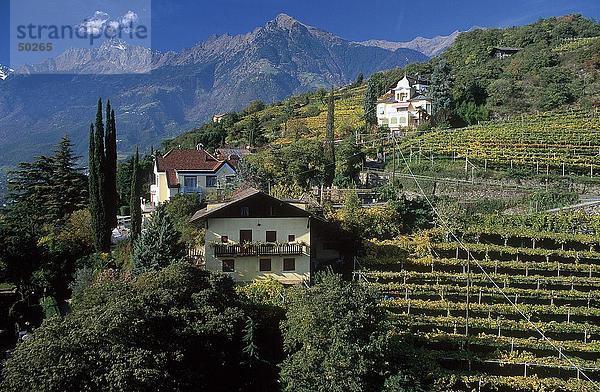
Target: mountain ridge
(224, 73)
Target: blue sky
(181, 24)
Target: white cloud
(129, 18)
(95, 24)
(101, 22)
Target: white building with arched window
(405, 106)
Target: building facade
(256, 235)
(405, 106)
(188, 171)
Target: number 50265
(34, 47)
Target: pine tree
(112, 198)
(158, 245)
(31, 191)
(329, 149)
(69, 183)
(134, 200)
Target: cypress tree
(134, 202)
(329, 149)
(370, 104)
(94, 205)
(112, 198)
(102, 229)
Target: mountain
(112, 57)
(5, 72)
(430, 47)
(183, 90)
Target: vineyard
(564, 143)
(477, 300)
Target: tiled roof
(186, 160)
(227, 152)
(236, 197)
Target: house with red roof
(189, 171)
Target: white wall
(247, 268)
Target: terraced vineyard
(476, 302)
(558, 142)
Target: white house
(188, 171)
(406, 105)
(255, 235)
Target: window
(228, 265)
(224, 239)
(265, 265)
(271, 236)
(211, 181)
(245, 211)
(245, 236)
(190, 182)
(291, 238)
(289, 265)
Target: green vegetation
(103, 177)
(424, 317)
(135, 208)
(545, 264)
(539, 144)
(176, 329)
(158, 245)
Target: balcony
(237, 250)
(192, 189)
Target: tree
(97, 184)
(61, 249)
(158, 245)
(255, 132)
(334, 338)
(359, 79)
(70, 184)
(135, 208)
(349, 163)
(43, 196)
(96, 202)
(32, 191)
(180, 208)
(441, 93)
(112, 197)
(329, 147)
(254, 107)
(370, 103)
(178, 329)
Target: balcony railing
(237, 250)
(191, 189)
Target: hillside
(224, 73)
(558, 68)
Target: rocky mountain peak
(285, 21)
